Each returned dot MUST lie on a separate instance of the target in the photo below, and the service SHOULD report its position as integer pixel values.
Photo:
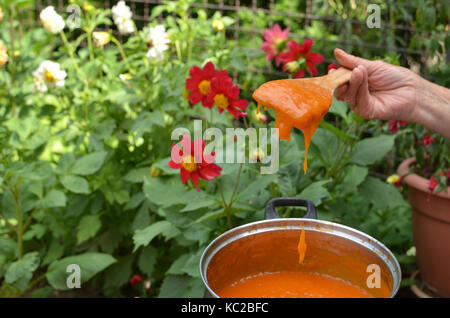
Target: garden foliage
(84, 163)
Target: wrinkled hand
(378, 90)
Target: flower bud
(218, 25)
(125, 77)
(155, 172)
(257, 156)
(101, 38)
(292, 67)
(88, 7)
(1, 14)
(393, 179)
(260, 117)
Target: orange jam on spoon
(300, 104)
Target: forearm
(433, 107)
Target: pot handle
(270, 207)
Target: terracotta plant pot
(431, 229)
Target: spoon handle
(338, 77)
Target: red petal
(195, 71)
(194, 178)
(239, 103)
(195, 97)
(208, 70)
(314, 57)
(174, 165)
(300, 73)
(307, 45)
(184, 174)
(192, 84)
(312, 68)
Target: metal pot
(271, 246)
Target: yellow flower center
(204, 87)
(221, 101)
(189, 164)
(49, 76)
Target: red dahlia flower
(225, 95)
(427, 140)
(192, 162)
(275, 43)
(199, 84)
(136, 279)
(394, 125)
(299, 58)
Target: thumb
(350, 61)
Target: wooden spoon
(329, 81)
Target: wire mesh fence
(331, 23)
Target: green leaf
(88, 227)
(156, 190)
(119, 273)
(370, 150)
(145, 122)
(36, 230)
(380, 194)
(315, 192)
(54, 198)
(197, 200)
(136, 175)
(186, 264)
(339, 108)
(90, 265)
(254, 188)
(75, 184)
(20, 272)
(354, 175)
(89, 164)
(145, 236)
(54, 252)
(147, 260)
(177, 286)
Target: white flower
(51, 20)
(122, 18)
(48, 74)
(158, 41)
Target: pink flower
(275, 43)
(299, 57)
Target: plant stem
(72, 57)
(235, 185)
(8, 223)
(12, 65)
(16, 195)
(225, 205)
(122, 52)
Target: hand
(378, 90)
